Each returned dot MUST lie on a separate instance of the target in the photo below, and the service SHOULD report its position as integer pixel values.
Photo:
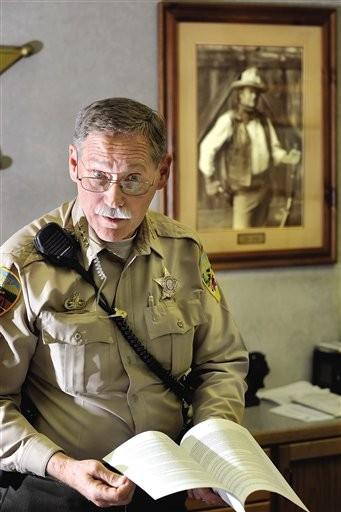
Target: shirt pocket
(171, 328)
(82, 349)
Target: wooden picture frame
(210, 52)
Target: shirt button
(180, 323)
(77, 336)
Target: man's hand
(206, 495)
(213, 187)
(91, 479)
(292, 158)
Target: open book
(216, 453)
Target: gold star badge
(168, 285)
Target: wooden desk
(307, 454)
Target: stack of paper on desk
(285, 394)
(216, 453)
(329, 403)
(314, 402)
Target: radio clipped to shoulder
(61, 248)
(57, 245)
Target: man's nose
(114, 195)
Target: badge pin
(82, 232)
(168, 284)
(74, 302)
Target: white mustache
(114, 213)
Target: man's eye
(98, 174)
(135, 178)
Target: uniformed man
(72, 387)
(238, 153)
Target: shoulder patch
(208, 277)
(10, 289)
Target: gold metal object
(9, 55)
(74, 302)
(251, 238)
(119, 312)
(168, 284)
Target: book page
(158, 465)
(231, 455)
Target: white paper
(330, 403)
(233, 457)
(217, 453)
(300, 412)
(158, 465)
(286, 394)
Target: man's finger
(113, 479)
(108, 476)
(207, 495)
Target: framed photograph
(248, 94)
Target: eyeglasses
(99, 181)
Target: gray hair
(122, 116)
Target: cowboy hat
(250, 78)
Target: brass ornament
(168, 284)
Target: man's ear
(73, 159)
(164, 169)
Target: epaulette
(20, 248)
(166, 227)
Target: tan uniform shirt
(91, 391)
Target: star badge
(168, 284)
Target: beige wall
(97, 49)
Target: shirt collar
(90, 243)
(146, 239)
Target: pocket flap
(170, 317)
(76, 328)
